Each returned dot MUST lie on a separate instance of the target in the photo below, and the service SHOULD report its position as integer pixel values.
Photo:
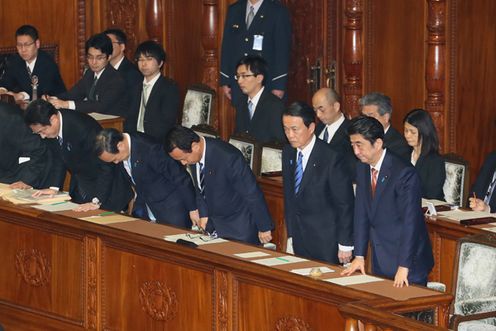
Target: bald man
(333, 125)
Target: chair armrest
(457, 319)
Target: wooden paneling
(395, 53)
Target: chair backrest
(250, 149)
(205, 130)
(198, 105)
(456, 184)
(475, 275)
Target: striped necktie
(201, 184)
(91, 94)
(30, 73)
(298, 172)
(249, 18)
(251, 109)
(373, 180)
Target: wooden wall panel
(395, 53)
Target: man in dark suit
(318, 195)
(260, 113)
(256, 27)
(388, 211)
(378, 106)
(333, 125)
(228, 197)
(23, 156)
(164, 191)
(94, 183)
(102, 89)
(484, 186)
(29, 64)
(155, 103)
(119, 61)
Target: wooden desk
(62, 273)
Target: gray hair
(383, 102)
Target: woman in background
(420, 133)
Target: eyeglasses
(202, 234)
(25, 45)
(96, 58)
(244, 76)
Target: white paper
(434, 202)
(23, 159)
(273, 261)
(251, 254)
(306, 271)
(354, 280)
(459, 215)
(101, 117)
(493, 229)
(258, 42)
(58, 206)
(196, 239)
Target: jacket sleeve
(282, 38)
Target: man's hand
(57, 103)
(278, 93)
(477, 204)
(344, 256)
(46, 191)
(203, 222)
(20, 185)
(357, 264)
(194, 215)
(264, 237)
(401, 277)
(227, 91)
(86, 207)
(17, 96)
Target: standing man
(155, 102)
(318, 195)
(30, 63)
(94, 183)
(164, 191)
(485, 186)
(388, 211)
(378, 106)
(256, 27)
(102, 89)
(228, 197)
(333, 126)
(118, 59)
(260, 114)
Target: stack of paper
(19, 197)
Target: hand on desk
(194, 215)
(203, 222)
(357, 264)
(401, 277)
(46, 191)
(344, 256)
(86, 207)
(20, 185)
(477, 204)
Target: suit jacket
(273, 23)
(16, 77)
(160, 183)
(161, 111)
(396, 143)
(484, 179)
(266, 124)
(341, 143)
(110, 93)
(233, 202)
(90, 177)
(130, 73)
(320, 215)
(392, 220)
(17, 140)
(432, 173)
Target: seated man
(94, 183)
(165, 193)
(484, 198)
(102, 89)
(30, 61)
(260, 114)
(228, 197)
(155, 103)
(24, 159)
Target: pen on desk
(58, 203)
(106, 213)
(280, 258)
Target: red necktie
(373, 182)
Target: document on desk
(460, 215)
(4, 188)
(306, 271)
(354, 280)
(57, 206)
(273, 261)
(493, 229)
(108, 218)
(434, 202)
(198, 239)
(250, 255)
(19, 197)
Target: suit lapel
(311, 166)
(382, 181)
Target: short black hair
(150, 48)
(370, 128)
(256, 64)
(119, 35)
(101, 42)
(182, 138)
(27, 30)
(427, 133)
(107, 140)
(301, 109)
(39, 112)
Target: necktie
(249, 18)
(373, 182)
(30, 73)
(490, 190)
(251, 109)
(202, 180)
(60, 140)
(141, 116)
(91, 94)
(326, 135)
(298, 172)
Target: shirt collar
(118, 64)
(32, 64)
(60, 127)
(256, 98)
(128, 139)
(333, 127)
(379, 163)
(308, 148)
(98, 75)
(202, 160)
(256, 6)
(152, 81)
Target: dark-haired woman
(420, 133)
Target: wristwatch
(96, 201)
